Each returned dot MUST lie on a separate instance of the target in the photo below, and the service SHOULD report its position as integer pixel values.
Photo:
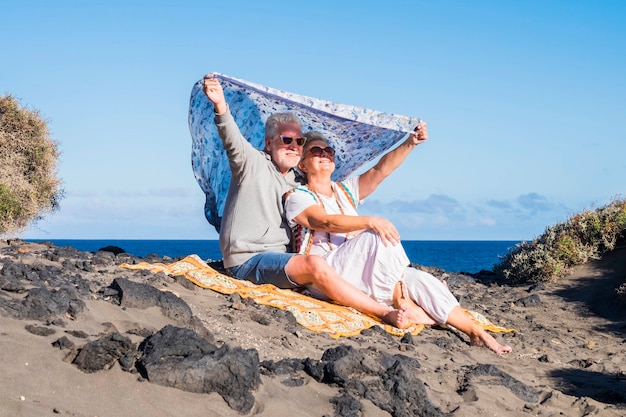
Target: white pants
(375, 269)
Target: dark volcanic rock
(137, 295)
(63, 343)
(39, 330)
(536, 287)
(407, 339)
(174, 342)
(11, 284)
(103, 353)
(530, 301)
(16, 271)
(77, 333)
(496, 376)
(180, 358)
(116, 250)
(377, 332)
(282, 367)
(389, 381)
(16, 277)
(43, 304)
(104, 259)
(402, 393)
(347, 406)
(458, 280)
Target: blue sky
(525, 103)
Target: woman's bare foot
(484, 339)
(397, 317)
(478, 336)
(415, 314)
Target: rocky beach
(81, 336)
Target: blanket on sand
(315, 315)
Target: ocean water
(451, 255)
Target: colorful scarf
(358, 135)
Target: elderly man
(254, 235)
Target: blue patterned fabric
(358, 135)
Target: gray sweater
(253, 220)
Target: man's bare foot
(484, 339)
(397, 317)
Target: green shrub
(29, 187)
(584, 236)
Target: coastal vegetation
(29, 187)
(583, 237)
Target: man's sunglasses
(288, 139)
(317, 151)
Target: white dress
(361, 258)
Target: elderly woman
(366, 250)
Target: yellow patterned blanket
(316, 315)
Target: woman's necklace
(319, 198)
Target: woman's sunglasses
(318, 151)
(288, 139)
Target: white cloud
(534, 202)
(127, 217)
(444, 217)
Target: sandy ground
(570, 349)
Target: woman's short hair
(312, 136)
